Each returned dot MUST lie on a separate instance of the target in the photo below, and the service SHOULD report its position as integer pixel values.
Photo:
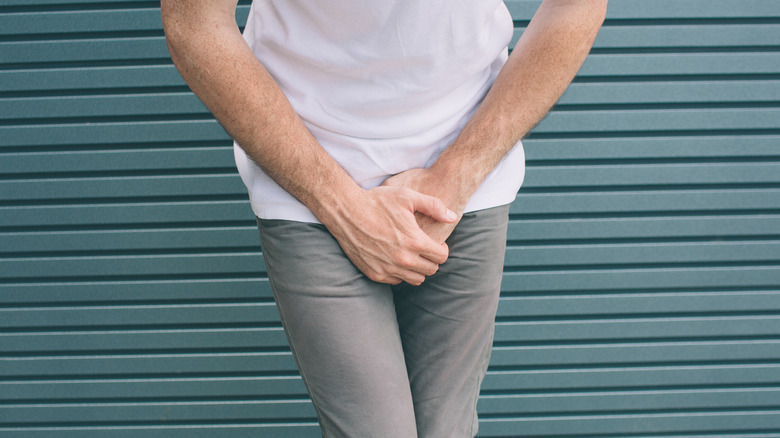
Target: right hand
(382, 238)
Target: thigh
(447, 326)
(342, 330)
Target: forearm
(541, 66)
(375, 228)
(215, 61)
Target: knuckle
(404, 260)
(376, 276)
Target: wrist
(335, 204)
(457, 180)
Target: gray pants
(389, 361)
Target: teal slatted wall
(642, 287)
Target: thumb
(433, 207)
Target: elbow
(171, 24)
(174, 23)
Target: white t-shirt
(383, 85)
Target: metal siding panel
(640, 295)
(665, 9)
(96, 79)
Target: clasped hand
(399, 233)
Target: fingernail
(451, 215)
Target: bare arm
(541, 66)
(376, 228)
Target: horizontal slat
(89, 106)
(670, 37)
(171, 239)
(615, 403)
(108, 78)
(655, 9)
(98, 49)
(83, 3)
(671, 147)
(659, 120)
(562, 256)
(536, 332)
(235, 263)
(642, 278)
(94, 366)
(667, 377)
(667, 203)
(153, 49)
(668, 175)
(119, 187)
(549, 310)
(510, 307)
(508, 358)
(661, 202)
(557, 122)
(112, 133)
(90, 78)
(710, 228)
(579, 94)
(632, 401)
(541, 380)
(261, 386)
(137, 19)
(94, 317)
(659, 424)
(128, 20)
(681, 64)
(634, 353)
(159, 388)
(159, 155)
(85, 21)
(684, 36)
(137, 213)
(671, 92)
(524, 8)
(657, 377)
(41, 163)
(635, 329)
(624, 304)
(255, 429)
(209, 411)
(142, 290)
(616, 258)
(147, 341)
(635, 176)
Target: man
(380, 143)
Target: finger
(392, 281)
(433, 207)
(413, 278)
(425, 266)
(437, 254)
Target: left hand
(423, 181)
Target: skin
(398, 232)
(542, 64)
